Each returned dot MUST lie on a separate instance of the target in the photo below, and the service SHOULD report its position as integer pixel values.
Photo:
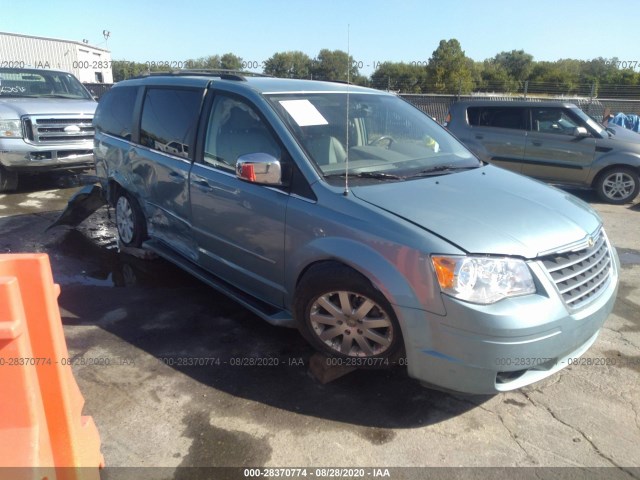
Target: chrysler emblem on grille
(590, 242)
(72, 129)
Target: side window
(236, 129)
(169, 118)
(114, 114)
(501, 117)
(552, 120)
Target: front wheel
(343, 315)
(130, 220)
(618, 185)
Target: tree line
(448, 70)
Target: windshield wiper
(15, 95)
(58, 95)
(378, 175)
(439, 170)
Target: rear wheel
(8, 180)
(619, 185)
(130, 220)
(341, 314)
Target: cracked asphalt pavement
(137, 329)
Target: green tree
(124, 69)
(333, 65)
(562, 76)
(211, 61)
(399, 77)
(517, 64)
(449, 69)
(229, 61)
(494, 77)
(292, 64)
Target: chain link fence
(98, 89)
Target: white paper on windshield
(303, 112)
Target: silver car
(552, 141)
(347, 213)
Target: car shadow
(167, 313)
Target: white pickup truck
(45, 123)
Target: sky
(373, 31)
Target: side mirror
(259, 168)
(580, 132)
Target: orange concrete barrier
(41, 422)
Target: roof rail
(225, 74)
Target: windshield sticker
(303, 112)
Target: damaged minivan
(349, 214)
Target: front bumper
(486, 349)
(19, 156)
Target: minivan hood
(17, 107)
(488, 210)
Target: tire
(130, 221)
(370, 330)
(8, 180)
(618, 185)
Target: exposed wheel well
(332, 263)
(113, 189)
(328, 263)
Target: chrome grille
(58, 129)
(580, 275)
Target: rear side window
(114, 114)
(501, 117)
(169, 118)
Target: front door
(553, 152)
(239, 226)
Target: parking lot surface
(175, 374)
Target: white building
(89, 64)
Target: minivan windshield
(383, 136)
(40, 83)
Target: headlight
(10, 129)
(483, 280)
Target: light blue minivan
(351, 215)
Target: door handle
(202, 184)
(537, 143)
(479, 137)
(175, 176)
